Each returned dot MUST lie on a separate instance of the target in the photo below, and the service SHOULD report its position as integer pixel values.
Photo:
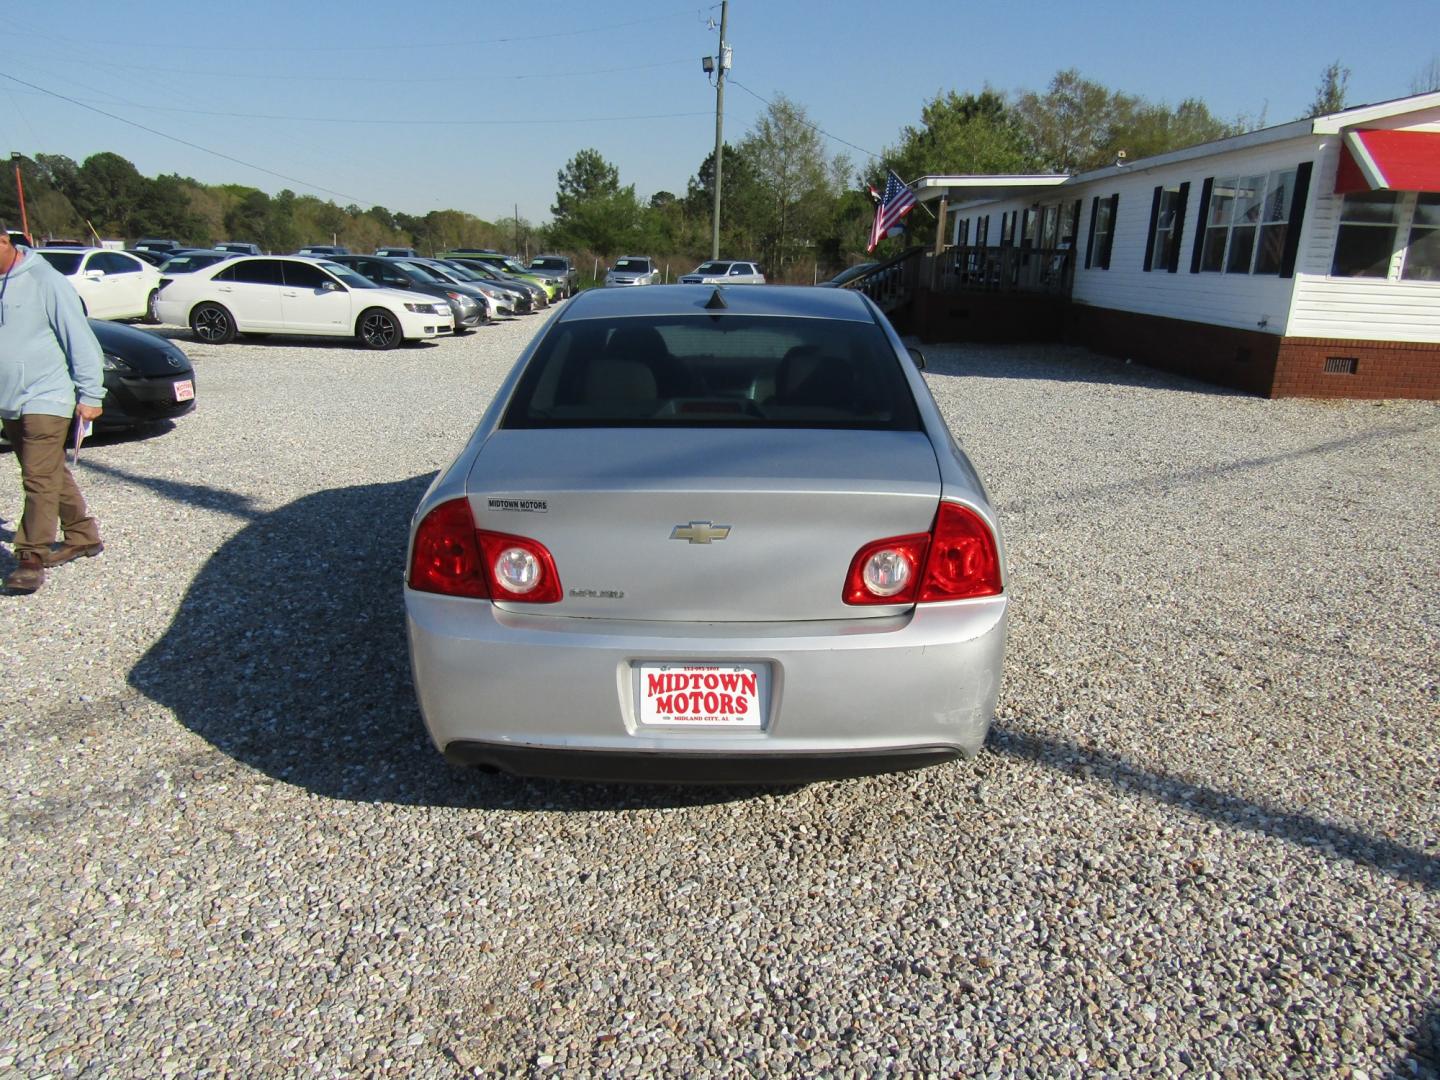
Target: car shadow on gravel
(1232, 811)
(288, 654)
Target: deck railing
(1003, 269)
(1046, 271)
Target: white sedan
(294, 295)
(111, 284)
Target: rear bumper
(619, 766)
(544, 695)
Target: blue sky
(476, 106)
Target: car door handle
(223, 288)
(289, 292)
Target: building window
(1365, 241)
(1102, 231)
(1165, 229)
(1422, 254)
(1248, 223)
(1275, 222)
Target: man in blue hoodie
(50, 371)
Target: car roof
(793, 301)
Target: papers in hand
(82, 431)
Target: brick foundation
(1381, 369)
(1263, 364)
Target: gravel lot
(1202, 840)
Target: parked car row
(290, 294)
(631, 270)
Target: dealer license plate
(184, 389)
(703, 695)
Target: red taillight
(876, 563)
(955, 560)
(964, 560)
(453, 557)
(446, 554)
(519, 569)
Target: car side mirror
(94, 275)
(330, 286)
(917, 356)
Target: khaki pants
(51, 496)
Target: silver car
(632, 270)
(708, 534)
(724, 272)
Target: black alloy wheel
(212, 324)
(378, 329)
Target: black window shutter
(1179, 227)
(1154, 220)
(1297, 219)
(1110, 236)
(1075, 225)
(1024, 227)
(1199, 244)
(1090, 240)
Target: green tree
(795, 183)
(109, 188)
(1069, 125)
(974, 133)
(586, 176)
(250, 218)
(1078, 124)
(1330, 94)
(163, 208)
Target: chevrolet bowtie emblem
(700, 532)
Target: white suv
(633, 270)
(724, 272)
(293, 295)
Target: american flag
(897, 201)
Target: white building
(1302, 259)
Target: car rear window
(714, 371)
(67, 262)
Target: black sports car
(147, 377)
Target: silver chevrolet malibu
(708, 534)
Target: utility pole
(17, 157)
(722, 64)
(517, 228)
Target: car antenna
(717, 300)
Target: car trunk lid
(704, 524)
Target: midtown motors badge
(523, 506)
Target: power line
(407, 121)
(816, 127)
(183, 142)
(429, 46)
(390, 80)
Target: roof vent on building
(1341, 365)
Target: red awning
(1389, 160)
